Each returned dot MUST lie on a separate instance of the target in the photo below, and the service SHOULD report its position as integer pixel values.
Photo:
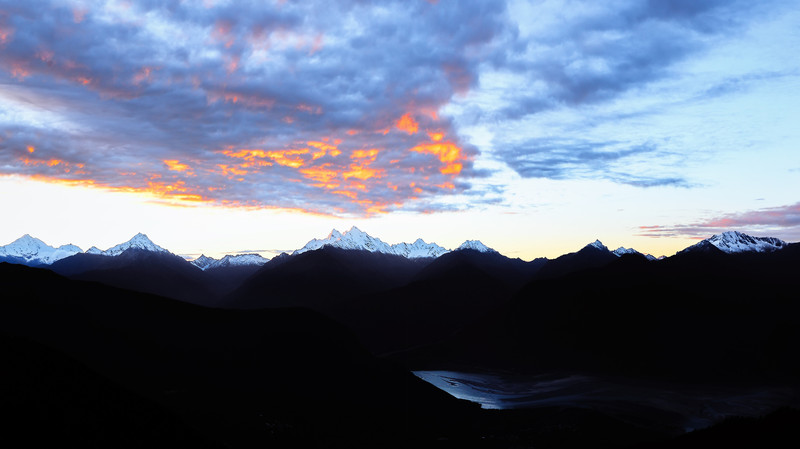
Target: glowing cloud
(407, 124)
(252, 109)
(447, 152)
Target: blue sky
(535, 126)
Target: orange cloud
(288, 158)
(317, 110)
(408, 124)
(251, 101)
(447, 152)
(145, 74)
(233, 63)
(176, 190)
(324, 148)
(363, 172)
(436, 136)
(20, 70)
(229, 170)
(5, 34)
(47, 162)
(347, 193)
(370, 155)
(174, 165)
(321, 174)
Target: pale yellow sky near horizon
(87, 216)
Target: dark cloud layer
(563, 158)
(593, 55)
(327, 107)
(608, 49)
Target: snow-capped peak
(240, 260)
(622, 250)
(599, 245)
(619, 252)
(475, 245)
(203, 262)
(356, 239)
(418, 249)
(737, 242)
(34, 251)
(139, 241)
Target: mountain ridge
(28, 250)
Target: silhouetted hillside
(588, 257)
(50, 400)
(702, 316)
(244, 377)
(322, 279)
(452, 291)
(159, 273)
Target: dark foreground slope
(450, 292)
(158, 273)
(144, 271)
(323, 279)
(50, 399)
(391, 302)
(238, 378)
(696, 316)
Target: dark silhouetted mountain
(513, 273)
(51, 400)
(391, 302)
(590, 256)
(450, 292)
(222, 280)
(700, 316)
(161, 273)
(775, 430)
(323, 278)
(256, 378)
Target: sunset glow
(536, 129)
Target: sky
(222, 127)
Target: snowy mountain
(360, 240)
(737, 242)
(619, 252)
(599, 245)
(139, 241)
(203, 262)
(475, 245)
(35, 252)
(240, 260)
(622, 250)
(418, 249)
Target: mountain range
(300, 347)
(31, 251)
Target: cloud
(563, 158)
(583, 87)
(593, 53)
(325, 107)
(782, 222)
